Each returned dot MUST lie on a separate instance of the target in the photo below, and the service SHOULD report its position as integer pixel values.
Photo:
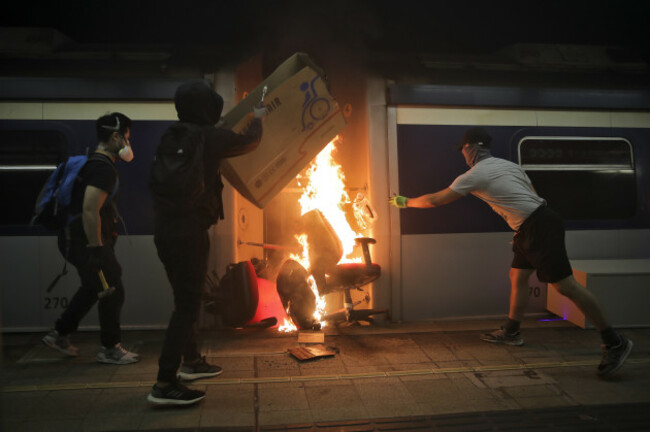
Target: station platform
(434, 376)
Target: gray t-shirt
(504, 186)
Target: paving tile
(283, 417)
(315, 369)
(234, 374)
(440, 391)
(423, 378)
(545, 401)
(324, 396)
(227, 419)
(113, 423)
(285, 362)
(351, 412)
(66, 404)
(229, 398)
(458, 364)
(54, 425)
(438, 353)
(328, 383)
(514, 378)
(385, 394)
(20, 406)
(131, 376)
(235, 363)
(282, 397)
(377, 409)
(459, 405)
(528, 391)
(170, 417)
(360, 369)
(120, 402)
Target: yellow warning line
(311, 378)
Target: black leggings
(185, 257)
(109, 307)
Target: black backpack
(177, 180)
(235, 296)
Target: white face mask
(126, 153)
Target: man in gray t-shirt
(538, 244)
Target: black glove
(95, 258)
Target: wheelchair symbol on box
(315, 108)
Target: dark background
(208, 34)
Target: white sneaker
(117, 355)
(60, 343)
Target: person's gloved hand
(259, 112)
(95, 258)
(398, 201)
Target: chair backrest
(326, 249)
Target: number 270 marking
(56, 302)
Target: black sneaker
(500, 336)
(614, 357)
(174, 394)
(198, 369)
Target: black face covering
(475, 153)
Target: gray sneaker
(500, 336)
(117, 355)
(60, 343)
(614, 357)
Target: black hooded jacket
(197, 103)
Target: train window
(583, 178)
(27, 157)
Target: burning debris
(328, 263)
(296, 295)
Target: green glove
(398, 201)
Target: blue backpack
(53, 203)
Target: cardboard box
(302, 118)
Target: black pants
(109, 307)
(184, 253)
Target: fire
(325, 186)
(287, 326)
(325, 191)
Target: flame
(287, 326)
(325, 186)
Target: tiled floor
(411, 372)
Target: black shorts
(539, 244)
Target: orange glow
(326, 185)
(323, 185)
(287, 326)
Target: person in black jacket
(182, 242)
(88, 243)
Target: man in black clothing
(88, 243)
(181, 238)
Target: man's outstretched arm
(436, 199)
